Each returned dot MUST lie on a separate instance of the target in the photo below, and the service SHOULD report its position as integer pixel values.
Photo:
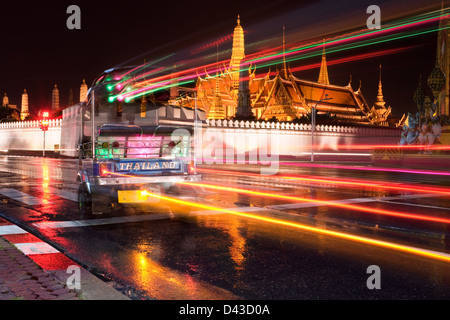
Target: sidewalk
(27, 274)
(22, 279)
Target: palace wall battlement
(366, 131)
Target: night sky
(38, 50)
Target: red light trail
(323, 202)
(381, 169)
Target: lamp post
(44, 123)
(93, 124)
(313, 124)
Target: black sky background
(37, 49)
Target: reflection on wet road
(306, 233)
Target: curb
(31, 269)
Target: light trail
(189, 78)
(342, 44)
(351, 59)
(398, 247)
(317, 179)
(353, 182)
(323, 202)
(382, 169)
(362, 34)
(381, 147)
(366, 183)
(370, 147)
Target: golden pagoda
(24, 112)
(379, 113)
(237, 54)
(323, 74)
(217, 110)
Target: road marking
(349, 201)
(102, 221)
(42, 253)
(250, 184)
(22, 197)
(69, 195)
(35, 248)
(241, 209)
(415, 205)
(72, 185)
(311, 205)
(11, 229)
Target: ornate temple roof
(293, 97)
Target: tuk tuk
(123, 165)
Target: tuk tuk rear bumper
(117, 181)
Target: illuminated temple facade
(283, 96)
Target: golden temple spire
(217, 66)
(83, 91)
(237, 54)
(217, 110)
(24, 110)
(323, 75)
(55, 98)
(5, 101)
(380, 99)
(284, 52)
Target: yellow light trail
(324, 202)
(352, 182)
(441, 191)
(408, 249)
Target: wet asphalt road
(210, 255)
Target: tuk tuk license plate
(131, 196)
(135, 196)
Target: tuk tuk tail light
(191, 168)
(103, 169)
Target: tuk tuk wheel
(84, 200)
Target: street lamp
(313, 124)
(43, 124)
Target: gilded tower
(237, 54)
(24, 113)
(379, 113)
(83, 91)
(5, 101)
(55, 99)
(323, 74)
(380, 100)
(217, 110)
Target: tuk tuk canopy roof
(117, 130)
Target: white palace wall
(220, 138)
(27, 136)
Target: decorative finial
(380, 72)
(239, 20)
(284, 52)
